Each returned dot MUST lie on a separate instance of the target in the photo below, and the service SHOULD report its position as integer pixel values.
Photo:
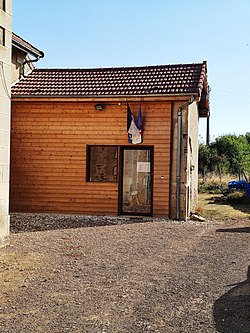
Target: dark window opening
(2, 36)
(2, 5)
(102, 164)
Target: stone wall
(193, 149)
(189, 160)
(5, 84)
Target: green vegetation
(212, 182)
(226, 159)
(228, 154)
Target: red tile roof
(20, 43)
(113, 82)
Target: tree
(236, 149)
(227, 154)
(248, 137)
(210, 160)
(204, 158)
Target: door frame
(120, 183)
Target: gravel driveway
(124, 276)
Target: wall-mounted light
(99, 107)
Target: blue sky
(111, 33)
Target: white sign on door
(143, 166)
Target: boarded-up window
(102, 164)
(2, 36)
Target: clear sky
(114, 33)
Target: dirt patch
(154, 276)
(13, 267)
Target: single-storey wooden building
(71, 151)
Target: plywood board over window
(102, 164)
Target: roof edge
(175, 96)
(25, 46)
(203, 78)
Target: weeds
(214, 183)
(213, 203)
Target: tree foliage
(227, 154)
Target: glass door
(136, 181)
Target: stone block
(5, 156)
(5, 174)
(4, 191)
(4, 139)
(4, 206)
(5, 103)
(4, 230)
(4, 122)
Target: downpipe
(22, 72)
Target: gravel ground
(120, 275)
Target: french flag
(134, 129)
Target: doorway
(136, 181)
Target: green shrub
(210, 188)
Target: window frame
(3, 5)
(2, 36)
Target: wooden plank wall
(48, 155)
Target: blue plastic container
(248, 190)
(237, 184)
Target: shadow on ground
(232, 310)
(25, 222)
(242, 229)
(243, 206)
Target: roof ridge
(119, 67)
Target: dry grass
(213, 183)
(210, 208)
(210, 205)
(214, 179)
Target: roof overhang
(108, 98)
(203, 105)
(26, 47)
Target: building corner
(5, 110)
